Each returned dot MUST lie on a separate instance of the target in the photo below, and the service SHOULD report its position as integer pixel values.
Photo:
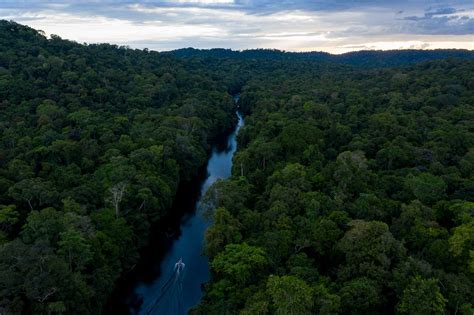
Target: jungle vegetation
(352, 188)
(94, 141)
(352, 193)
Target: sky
(334, 26)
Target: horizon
(291, 26)
(315, 51)
(48, 36)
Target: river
(159, 286)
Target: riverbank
(180, 234)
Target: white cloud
(97, 29)
(241, 24)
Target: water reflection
(171, 293)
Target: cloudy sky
(299, 25)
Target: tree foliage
(356, 182)
(352, 188)
(94, 140)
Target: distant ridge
(364, 58)
(375, 58)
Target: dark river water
(158, 285)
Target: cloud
(334, 26)
(203, 1)
(433, 14)
(445, 20)
(441, 11)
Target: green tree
(427, 188)
(326, 301)
(75, 249)
(240, 263)
(46, 225)
(369, 248)
(422, 296)
(361, 296)
(350, 173)
(326, 234)
(225, 230)
(34, 191)
(461, 243)
(290, 295)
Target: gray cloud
(291, 25)
(440, 21)
(432, 14)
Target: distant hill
(372, 58)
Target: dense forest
(352, 188)
(353, 193)
(358, 58)
(94, 141)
